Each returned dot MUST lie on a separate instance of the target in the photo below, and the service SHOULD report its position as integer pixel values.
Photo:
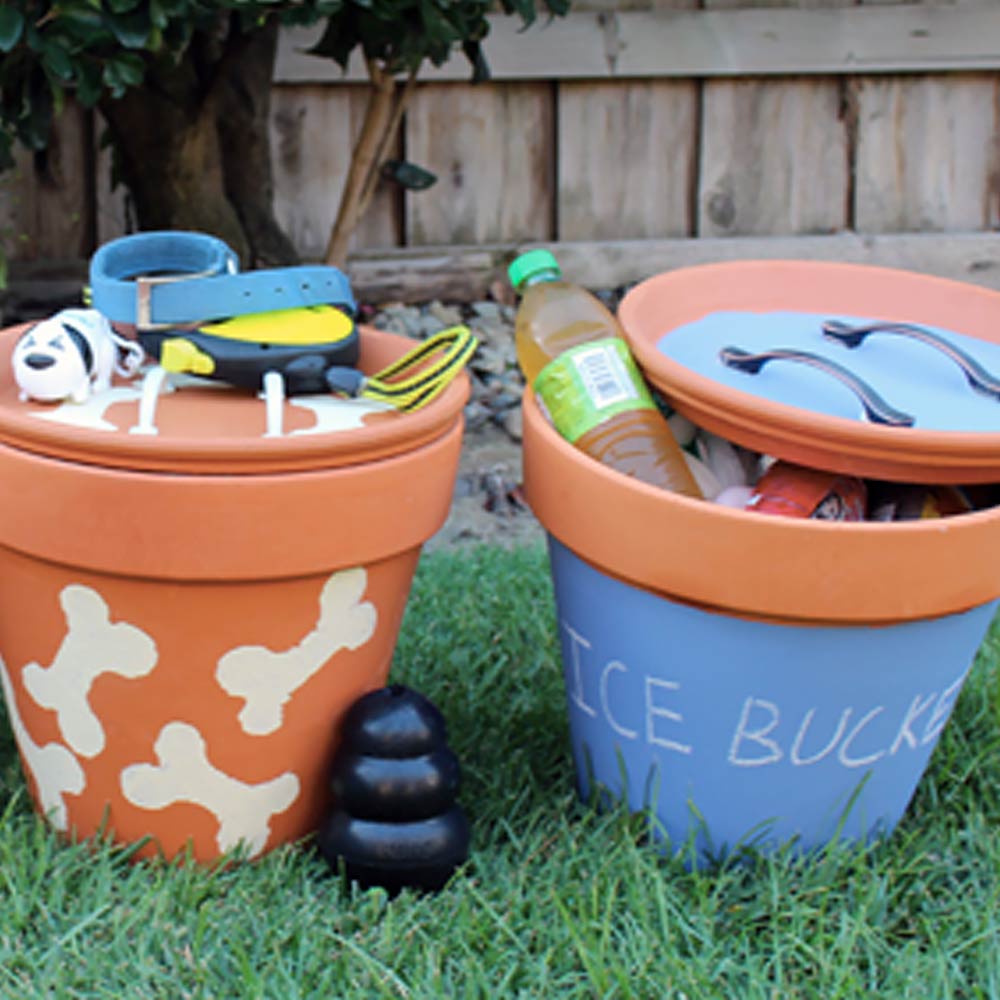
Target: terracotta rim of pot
(753, 564)
(654, 307)
(225, 527)
(193, 451)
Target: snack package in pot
(796, 491)
(906, 502)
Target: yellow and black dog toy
(313, 349)
(309, 347)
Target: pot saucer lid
(862, 370)
(207, 427)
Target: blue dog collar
(173, 278)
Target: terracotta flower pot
(746, 677)
(185, 617)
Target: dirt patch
(488, 506)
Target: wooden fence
(648, 131)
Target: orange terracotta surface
(177, 649)
(193, 625)
(213, 428)
(225, 527)
(753, 564)
(669, 300)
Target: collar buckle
(144, 285)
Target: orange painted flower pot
(185, 617)
(753, 678)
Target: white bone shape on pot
(54, 768)
(266, 679)
(93, 646)
(334, 414)
(89, 414)
(185, 774)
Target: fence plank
(884, 38)
(627, 159)
(113, 213)
(627, 154)
(490, 146)
(774, 153)
(927, 156)
(466, 273)
(312, 134)
(46, 206)
(522, 160)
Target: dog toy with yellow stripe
(297, 352)
(300, 344)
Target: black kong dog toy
(395, 821)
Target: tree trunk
(243, 113)
(192, 144)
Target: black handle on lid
(852, 336)
(876, 409)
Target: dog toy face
(68, 356)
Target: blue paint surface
(766, 731)
(911, 376)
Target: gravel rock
(497, 383)
(512, 423)
(446, 315)
(477, 415)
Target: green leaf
(57, 63)
(436, 25)
(131, 29)
(158, 14)
(33, 37)
(34, 128)
(480, 67)
(409, 175)
(6, 152)
(89, 82)
(11, 26)
(335, 43)
(82, 25)
(173, 8)
(122, 72)
(524, 8)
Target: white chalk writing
(576, 687)
(640, 707)
(758, 736)
(614, 666)
(844, 757)
(916, 709)
(796, 756)
(654, 711)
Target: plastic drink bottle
(571, 351)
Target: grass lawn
(557, 900)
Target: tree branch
(378, 115)
(401, 100)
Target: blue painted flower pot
(753, 679)
(741, 731)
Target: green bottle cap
(531, 263)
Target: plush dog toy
(72, 355)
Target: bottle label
(590, 383)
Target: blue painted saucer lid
(864, 370)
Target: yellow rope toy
(421, 374)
